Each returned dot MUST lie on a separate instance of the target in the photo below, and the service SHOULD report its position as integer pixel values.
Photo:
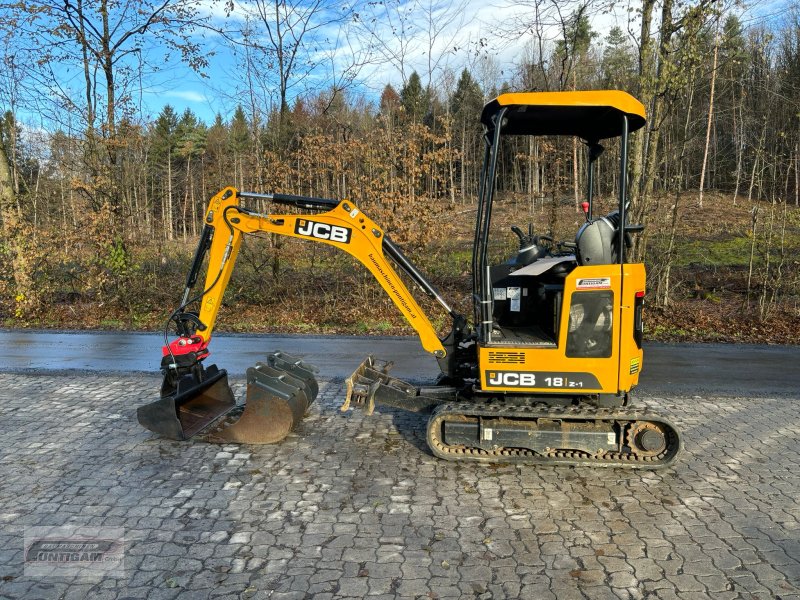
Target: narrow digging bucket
(278, 394)
(192, 405)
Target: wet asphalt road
(681, 369)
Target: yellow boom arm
(343, 226)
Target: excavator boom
(342, 225)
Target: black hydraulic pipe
(485, 292)
(292, 200)
(393, 252)
(199, 254)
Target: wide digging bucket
(278, 394)
(197, 400)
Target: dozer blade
(195, 402)
(278, 394)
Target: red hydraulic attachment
(184, 345)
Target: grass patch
(111, 323)
(731, 252)
(371, 326)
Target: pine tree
(466, 105)
(618, 65)
(238, 143)
(414, 99)
(164, 146)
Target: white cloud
(187, 95)
(489, 37)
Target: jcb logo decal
(323, 231)
(510, 379)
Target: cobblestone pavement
(352, 506)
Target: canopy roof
(593, 115)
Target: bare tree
(408, 35)
(710, 112)
(106, 43)
(295, 43)
(663, 71)
(390, 29)
(24, 292)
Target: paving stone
(355, 506)
(623, 579)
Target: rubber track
(533, 409)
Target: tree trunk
(739, 147)
(797, 175)
(6, 190)
(710, 115)
(168, 216)
(646, 94)
(675, 210)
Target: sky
(435, 37)
(390, 39)
(432, 36)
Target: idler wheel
(647, 439)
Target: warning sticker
(514, 295)
(499, 293)
(596, 283)
(635, 365)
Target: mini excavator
(542, 374)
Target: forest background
(101, 205)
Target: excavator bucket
(278, 394)
(189, 405)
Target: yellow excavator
(542, 373)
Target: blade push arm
(342, 225)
